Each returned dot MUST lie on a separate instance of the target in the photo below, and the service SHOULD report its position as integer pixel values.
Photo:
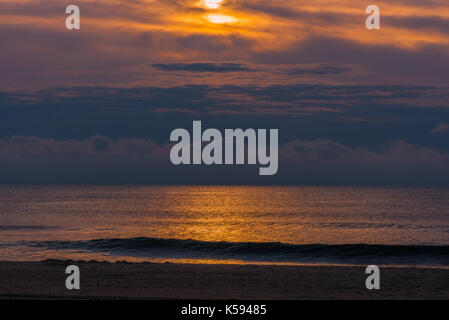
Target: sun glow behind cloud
(273, 25)
(212, 4)
(221, 18)
(275, 31)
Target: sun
(212, 4)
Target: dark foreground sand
(46, 280)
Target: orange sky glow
(250, 31)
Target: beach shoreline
(173, 281)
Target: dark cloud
(33, 160)
(432, 24)
(395, 164)
(101, 144)
(355, 115)
(321, 70)
(425, 65)
(97, 160)
(287, 11)
(442, 127)
(212, 99)
(202, 67)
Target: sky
(97, 105)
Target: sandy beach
(104, 280)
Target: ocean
(226, 224)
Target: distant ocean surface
(226, 224)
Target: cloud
(96, 160)
(201, 67)
(289, 98)
(324, 69)
(21, 148)
(355, 115)
(394, 154)
(102, 160)
(442, 127)
(117, 37)
(397, 164)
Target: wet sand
(104, 280)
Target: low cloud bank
(101, 160)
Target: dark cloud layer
(329, 134)
(101, 160)
(201, 67)
(356, 115)
(321, 70)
